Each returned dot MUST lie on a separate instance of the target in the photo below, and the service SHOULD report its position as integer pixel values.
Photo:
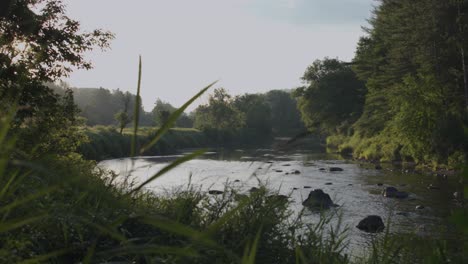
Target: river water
(356, 189)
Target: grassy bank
(383, 149)
(107, 142)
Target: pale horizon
(249, 46)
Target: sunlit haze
(250, 46)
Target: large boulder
(318, 199)
(392, 192)
(371, 224)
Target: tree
(123, 119)
(412, 61)
(122, 116)
(285, 117)
(333, 97)
(161, 111)
(257, 113)
(39, 44)
(220, 113)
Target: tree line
(404, 96)
(274, 112)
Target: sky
(249, 46)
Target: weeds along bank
(106, 142)
(383, 148)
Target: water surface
(356, 189)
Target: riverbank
(105, 142)
(380, 153)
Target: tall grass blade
(8, 184)
(214, 227)
(300, 257)
(45, 257)
(169, 167)
(251, 253)
(5, 122)
(173, 118)
(27, 199)
(6, 143)
(90, 253)
(149, 249)
(136, 113)
(105, 230)
(17, 223)
(179, 229)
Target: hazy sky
(249, 45)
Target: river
(356, 189)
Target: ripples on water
(355, 189)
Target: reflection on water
(356, 189)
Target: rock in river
(371, 224)
(335, 169)
(433, 187)
(318, 199)
(392, 192)
(254, 189)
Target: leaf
(43, 258)
(136, 113)
(251, 253)
(105, 230)
(173, 118)
(169, 167)
(17, 223)
(149, 249)
(213, 228)
(27, 199)
(179, 229)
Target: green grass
(107, 142)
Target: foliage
(413, 105)
(333, 98)
(38, 40)
(220, 113)
(39, 43)
(162, 110)
(123, 119)
(411, 63)
(256, 111)
(285, 117)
